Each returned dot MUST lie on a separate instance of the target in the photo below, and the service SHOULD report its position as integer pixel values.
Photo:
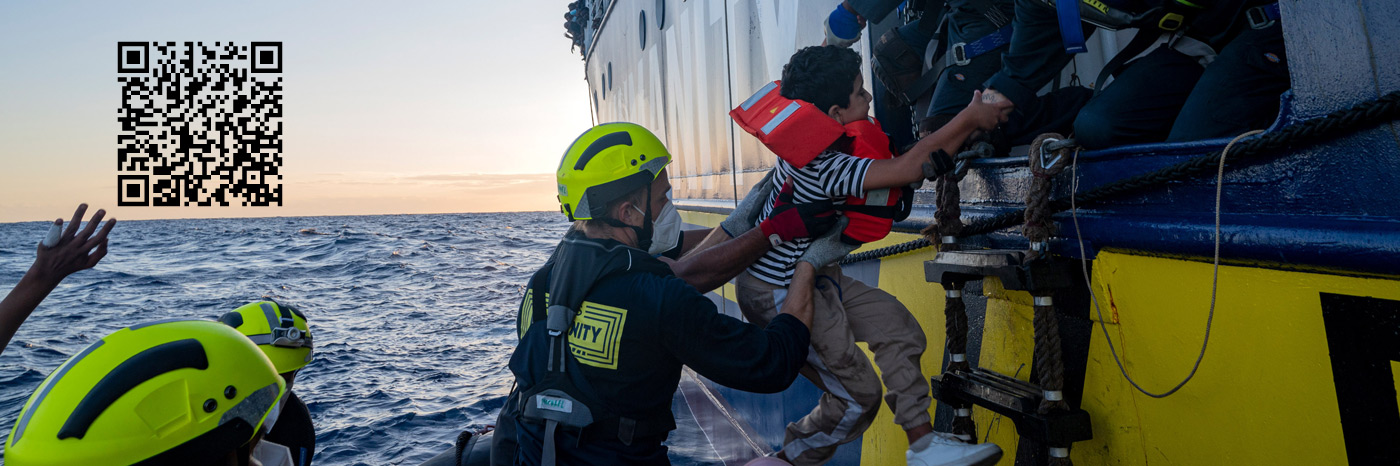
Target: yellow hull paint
(1264, 393)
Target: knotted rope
(946, 227)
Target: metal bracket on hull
(1018, 401)
(1008, 265)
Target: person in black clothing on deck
(1197, 69)
(628, 322)
(974, 35)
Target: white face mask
(275, 413)
(666, 232)
(665, 227)
(270, 454)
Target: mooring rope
(1335, 124)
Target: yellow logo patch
(597, 334)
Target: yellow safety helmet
(279, 330)
(605, 163)
(163, 392)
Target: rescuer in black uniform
(627, 322)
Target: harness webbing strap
(1141, 41)
(1071, 33)
(963, 52)
(547, 457)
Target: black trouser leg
(1141, 104)
(1239, 90)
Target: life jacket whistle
(795, 130)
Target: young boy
(847, 310)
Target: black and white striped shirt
(832, 175)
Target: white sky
(390, 107)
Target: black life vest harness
(564, 399)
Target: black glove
(939, 164)
(790, 221)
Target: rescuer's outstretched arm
(708, 268)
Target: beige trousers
(847, 311)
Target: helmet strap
(245, 453)
(644, 232)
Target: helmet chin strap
(245, 453)
(644, 232)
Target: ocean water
(414, 315)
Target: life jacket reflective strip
(797, 132)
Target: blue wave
(414, 315)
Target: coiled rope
(1335, 124)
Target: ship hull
(1301, 362)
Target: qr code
(200, 124)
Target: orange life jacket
(798, 132)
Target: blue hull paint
(1333, 206)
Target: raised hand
(70, 252)
(75, 250)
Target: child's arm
(908, 168)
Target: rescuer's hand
(828, 248)
(744, 215)
(790, 221)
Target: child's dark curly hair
(822, 75)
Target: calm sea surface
(414, 315)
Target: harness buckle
(1170, 22)
(1258, 17)
(959, 54)
(560, 319)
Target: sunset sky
(419, 107)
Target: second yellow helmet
(279, 330)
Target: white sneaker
(940, 449)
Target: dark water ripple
(414, 315)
